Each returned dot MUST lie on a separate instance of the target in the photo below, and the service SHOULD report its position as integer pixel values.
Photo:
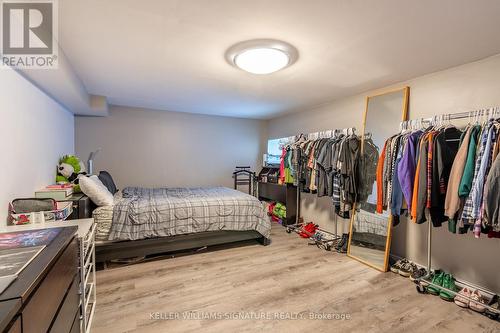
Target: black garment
(492, 199)
(349, 169)
(323, 167)
(321, 178)
(445, 148)
(367, 170)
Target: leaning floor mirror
(370, 232)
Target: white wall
(157, 148)
(34, 132)
(458, 89)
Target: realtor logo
(29, 33)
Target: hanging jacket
(407, 166)
(452, 201)
(468, 174)
(367, 169)
(492, 195)
(446, 144)
(469, 211)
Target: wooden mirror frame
(406, 99)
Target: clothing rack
(476, 115)
(314, 136)
(243, 176)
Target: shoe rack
(426, 280)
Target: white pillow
(96, 191)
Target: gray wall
(34, 132)
(158, 148)
(462, 88)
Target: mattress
(103, 217)
(145, 213)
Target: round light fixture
(262, 56)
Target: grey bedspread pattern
(146, 212)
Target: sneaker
(493, 303)
(343, 249)
(478, 305)
(462, 298)
(437, 280)
(397, 266)
(448, 283)
(343, 241)
(407, 269)
(418, 274)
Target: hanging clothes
(446, 144)
(326, 167)
(445, 173)
(492, 195)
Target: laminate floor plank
(285, 278)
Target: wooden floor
(287, 278)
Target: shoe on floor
(407, 269)
(342, 242)
(460, 299)
(437, 280)
(397, 266)
(343, 248)
(478, 305)
(418, 274)
(495, 304)
(448, 283)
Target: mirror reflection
(370, 227)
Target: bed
(145, 221)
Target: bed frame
(144, 247)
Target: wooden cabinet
(286, 194)
(42, 308)
(45, 291)
(16, 326)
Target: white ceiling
(169, 54)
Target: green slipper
(448, 283)
(438, 281)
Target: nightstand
(82, 206)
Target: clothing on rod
(445, 173)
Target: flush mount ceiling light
(262, 56)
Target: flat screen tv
(273, 152)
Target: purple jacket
(407, 167)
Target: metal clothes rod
(475, 114)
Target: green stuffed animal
(68, 170)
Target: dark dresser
(286, 194)
(45, 296)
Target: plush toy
(69, 169)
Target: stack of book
(56, 192)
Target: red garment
(282, 167)
(270, 208)
(380, 176)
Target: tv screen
(273, 152)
